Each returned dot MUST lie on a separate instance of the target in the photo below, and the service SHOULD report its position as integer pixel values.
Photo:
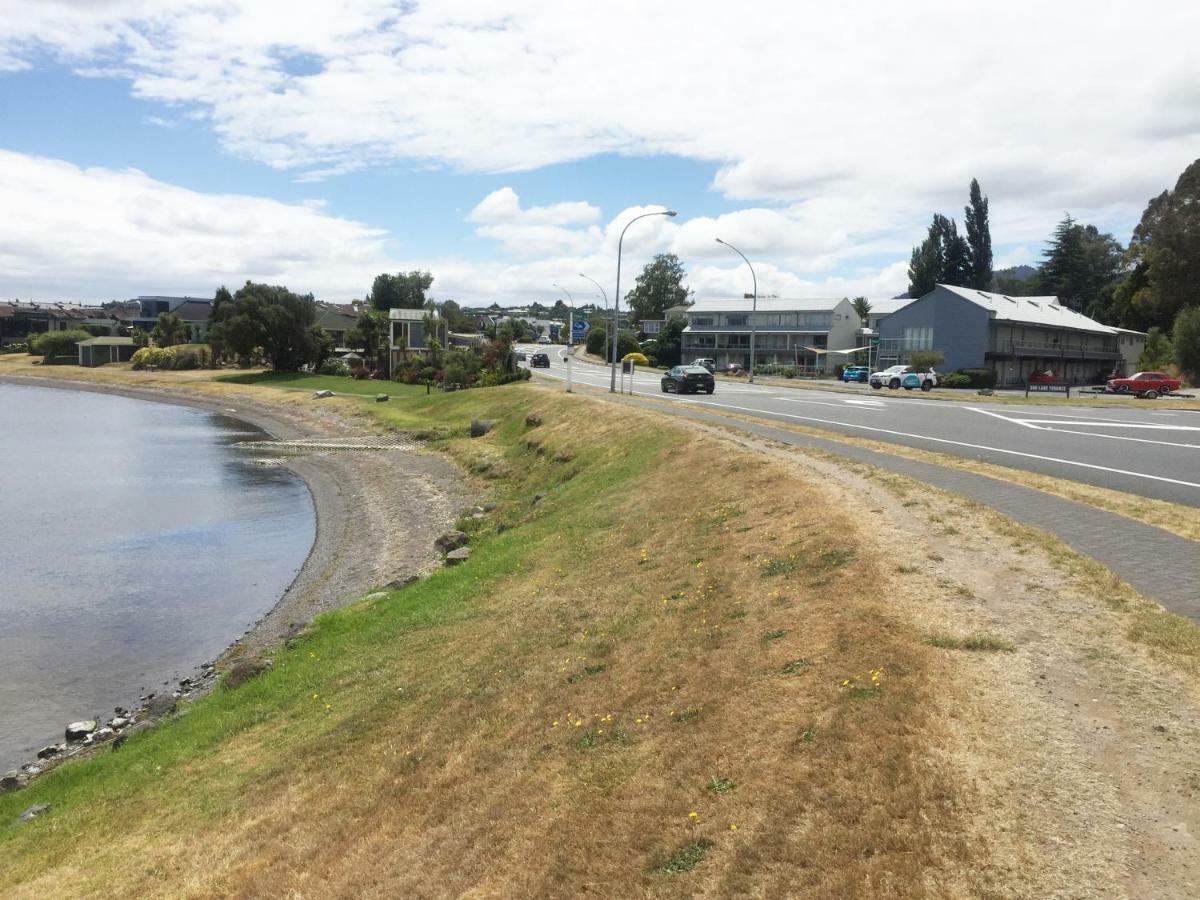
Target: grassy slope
(545, 717)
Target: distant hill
(1016, 273)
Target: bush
(638, 359)
(1186, 339)
(58, 343)
(150, 357)
(926, 359)
(979, 378)
(15, 347)
(596, 340)
(333, 367)
(955, 380)
(186, 356)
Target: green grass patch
(720, 785)
(985, 643)
(796, 666)
(775, 635)
(685, 858)
(299, 381)
(781, 565)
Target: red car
(1144, 383)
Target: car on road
(860, 374)
(539, 360)
(688, 380)
(732, 369)
(710, 364)
(543, 340)
(1144, 384)
(907, 377)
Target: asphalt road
(1142, 450)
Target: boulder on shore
(33, 812)
(77, 731)
(533, 420)
(480, 427)
(51, 751)
(160, 705)
(451, 540)
(454, 557)
(245, 669)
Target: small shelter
(100, 350)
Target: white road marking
(922, 437)
(1002, 418)
(1120, 437)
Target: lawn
(553, 713)
(298, 381)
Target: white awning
(842, 352)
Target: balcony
(1048, 350)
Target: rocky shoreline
(379, 515)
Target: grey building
(1014, 336)
(101, 350)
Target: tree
(1167, 241)
(1079, 262)
(1158, 352)
(1186, 338)
(925, 359)
(140, 338)
(659, 287)
(862, 309)
(369, 334)
(169, 330)
(400, 291)
(272, 321)
(456, 319)
(669, 350)
(979, 238)
(942, 258)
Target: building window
(702, 320)
(735, 321)
(920, 338)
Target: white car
(907, 377)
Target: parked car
(543, 340)
(539, 360)
(732, 369)
(688, 380)
(860, 374)
(710, 364)
(907, 377)
(1145, 384)
(1045, 377)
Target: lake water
(135, 543)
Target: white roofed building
(1015, 336)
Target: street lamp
(754, 308)
(612, 388)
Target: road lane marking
(922, 437)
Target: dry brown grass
(441, 771)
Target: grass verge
(432, 741)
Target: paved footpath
(1157, 563)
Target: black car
(688, 380)
(539, 360)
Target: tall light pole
(754, 308)
(612, 388)
(599, 287)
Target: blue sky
(165, 146)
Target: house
(194, 311)
(195, 315)
(409, 333)
(1013, 336)
(338, 320)
(100, 350)
(19, 319)
(803, 333)
(1131, 344)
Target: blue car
(856, 373)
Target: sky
(173, 146)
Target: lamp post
(754, 308)
(612, 388)
(599, 287)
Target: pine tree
(1064, 270)
(979, 238)
(942, 258)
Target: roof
(772, 304)
(1029, 310)
(409, 315)
(889, 305)
(107, 342)
(194, 310)
(1129, 331)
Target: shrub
(979, 378)
(926, 359)
(955, 380)
(333, 366)
(150, 356)
(15, 347)
(186, 356)
(596, 340)
(638, 359)
(58, 343)
(1186, 339)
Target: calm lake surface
(135, 543)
